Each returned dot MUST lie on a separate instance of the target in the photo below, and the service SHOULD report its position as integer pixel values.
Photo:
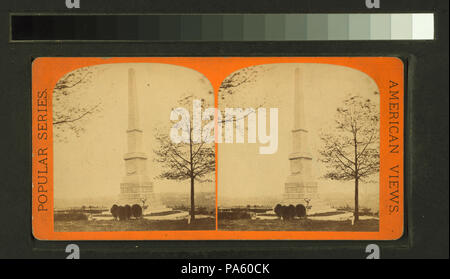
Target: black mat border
(426, 129)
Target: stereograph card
(215, 148)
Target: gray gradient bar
(274, 27)
(401, 27)
(380, 27)
(359, 27)
(212, 28)
(338, 27)
(295, 27)
(233, 28)
(191, 28)
(225, 27)
(254, 28)
(316, 27)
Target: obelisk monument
(300, 187)
(136, 186)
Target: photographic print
(321, 167)
(204, 148)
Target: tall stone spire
(299, 133)
(133, 110)
(299, 184)
(134, 132)
(299, 106)
(136, 186)
(300, 187)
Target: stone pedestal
(139, 190)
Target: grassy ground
(133, 225)
(296, 225)
(209, 224)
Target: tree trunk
(356, 213)
(192, 200)
(191, 163)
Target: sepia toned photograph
(115, 167)
(185, 148)
(298, 149)
(312, 164)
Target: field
(296, 225)
(133, 225)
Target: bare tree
(232, 86)
(192, 161)
(351, 150)
(68, 113)
(239, 79)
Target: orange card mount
(214, 148)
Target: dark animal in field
(300, 210)
(136, 211)
(128, 212)
(284, 212)
(115, 211)
(288, 212)
(122, 213)
(291, 212)
(277, 210)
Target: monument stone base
(302, 190)
(133, 193)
